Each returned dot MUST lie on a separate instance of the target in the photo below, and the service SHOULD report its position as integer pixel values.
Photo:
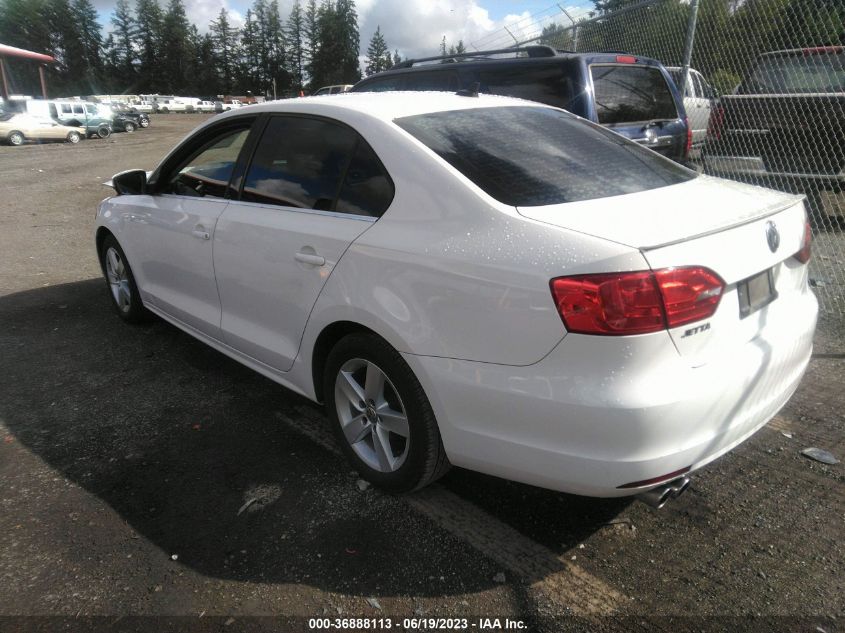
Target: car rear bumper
(601, 412)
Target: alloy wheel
(118, 278)
(372, 416)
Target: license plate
(756, 292)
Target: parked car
(141, 119)
(479, 281)
(631, 95)
(333, 90)
(206, 106)
(232, 104)
(175, 105)
(698, 100)
(784, 127)
(16, 129)
(84, 114)
(147, 107)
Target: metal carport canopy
(11, 51)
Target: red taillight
(626, 59)
(640, 302)
(689, 294)
(717, 120)
(689, 137)
(806, 251)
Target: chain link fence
(765, 96)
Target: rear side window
(439, 81)
(78, 110)
(66, 108)
(367, 189)
(533, 156)
(550, 84)
(384, 84)
(627, 93)
(299, 163)
(797, 73)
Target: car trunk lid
(722, 226)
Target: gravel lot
(143, 474)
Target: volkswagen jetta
(475, 280)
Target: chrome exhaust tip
(659, 496)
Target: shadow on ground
(177, 438)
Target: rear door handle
(310, 258)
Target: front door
(172, 232)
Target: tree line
(729, 34)
(150, 48)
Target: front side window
(533, 156)
(208, 171)
(299, 162)
(627, 93)
(66, 108)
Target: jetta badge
(772, 236)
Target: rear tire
(128, 127)
(73, 137)
(123, 291)
(381, 416)
(103, 131)
(15, 138)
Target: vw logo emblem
(772, 236)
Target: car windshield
(795, 73)
(532, 156)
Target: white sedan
(475, 280)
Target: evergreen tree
(225, 40)
(148, 41)
(249, 53)
(91, 41)
(274, 54)
(296, 37)
(349, 41)
(175, 49)
(397, 58)
(68, 74)
(311, 43)
(378, 54)
(124, 35)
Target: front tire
(15, 138)
(144, 123)
(123, 291)
(381, 415)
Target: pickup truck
(205, 106)
(784, 126)
(234, 104)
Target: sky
(414, 27)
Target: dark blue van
(628, 94)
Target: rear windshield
(533, 156)
(797, 73)
(626, 93)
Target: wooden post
(5, 83)
(43, 81)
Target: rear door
(313, 186)
(636, 100)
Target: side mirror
(130, 183)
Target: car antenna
(472, 91)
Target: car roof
(386, 106)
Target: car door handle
(310, 259)
(201, 234)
